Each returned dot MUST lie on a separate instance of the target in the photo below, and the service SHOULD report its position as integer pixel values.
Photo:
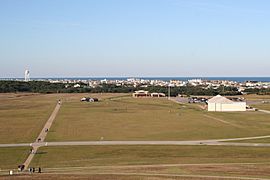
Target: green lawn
(257, 97)
(23, 115)
(10, 158)
(127, 118)
(88, 156)
(171, 160)
(263, 106)
(118, 117)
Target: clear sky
(93, 38)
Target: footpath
(42, 136)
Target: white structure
(157, 94)
(141, 93)
(77, 86)
(222, 104)
(27, 75)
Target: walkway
(264, 111)
(212, 142)
(40, 139)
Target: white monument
(27, 75)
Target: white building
(141, 93)
(222, 104)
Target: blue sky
(90, 38)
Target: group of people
(21, 167)
(33, 170)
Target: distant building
(77, 85)
(141, 93)
(222, 104)
(158, 95)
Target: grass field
(10, 158)
(69, 156)
(257, 97)
(120, 117)
(263, 106)
(190, 172)
(203, 160)
(22, 116)
(127, 118)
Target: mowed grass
(265, 106)
(169, 160)
(257, 97)
(23, 115)
(11, 157)
(88, 156)
(127, 118)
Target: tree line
(47, 87)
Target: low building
(158, 95)
(222, 104)
(141, 93)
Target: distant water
(237, 79)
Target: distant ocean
(237, 79)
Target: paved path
(264, 111)
(225, 142)
(192, 143)
(213, 142)
(40, 139)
